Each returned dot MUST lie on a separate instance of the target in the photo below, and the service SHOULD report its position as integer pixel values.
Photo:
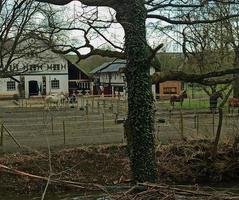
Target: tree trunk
(236, 82)
(235, 87)
(139, 123)
(219, 128)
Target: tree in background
(232, 29)
(22, 31)
(17, 28)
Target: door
(33, 88)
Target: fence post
(195, 120)
(52, 125)
(1, 140)
(197, 124)
(112, 107)
(118, 104)
(103, 118)
(64, 132)
(213, 123)
(104, 104)
(86, 107)
(83, 102)
(77, 102)
(92, 105)
(98, 106)
(181, 124)
(116, 117)
(169, 114)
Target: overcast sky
(115, 33)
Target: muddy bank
(188, 163)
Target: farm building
(38, 76)
(168, 88)
(80, 79)
(48, 72)
(110, 78)
(169, 61)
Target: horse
(233, 103)
(57, 99)
(178, 98)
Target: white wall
(63, 83)
(3, 87)
(117, 78)
(53, 66)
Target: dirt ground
(180, 163)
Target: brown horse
(178, 98)
(233, 103)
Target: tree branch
(203, 79)
(191, 22)
(108, 3)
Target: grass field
(187, 104)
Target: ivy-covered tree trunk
(235, 87)
(139, 123)
(236, 82)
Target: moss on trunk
(139, 124)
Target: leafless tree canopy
(188, 15)
(20, 23)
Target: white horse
(56, 99)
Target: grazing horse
(56, 99)
(178, 98)
(233, 103)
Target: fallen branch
(91, 187)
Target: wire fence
(59, 127)
(100, 121)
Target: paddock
(99, 121)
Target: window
(170, 90)
(56, 67)
(33, 67)
(11, 85)
(55, 84)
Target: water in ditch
(53, 196)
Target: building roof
(97, 63)
(113, 66)
(88, 64)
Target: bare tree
(17, 25)
(132, 15)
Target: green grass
(194, 104)
(187, 104)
